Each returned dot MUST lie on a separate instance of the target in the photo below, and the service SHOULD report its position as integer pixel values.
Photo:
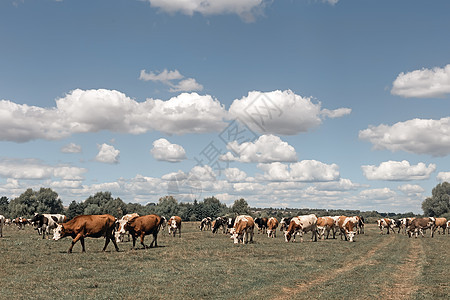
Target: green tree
(75, 209)
(240, 207)
(439, 202)
(167, 206)
(4, 209)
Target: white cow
(120, 234)
(300, 225)
(2, 222)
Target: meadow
(200, 265)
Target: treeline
(47, 201)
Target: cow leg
(142, 239)
(155, 236)
(134, 241)
(78, 237)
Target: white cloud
(107, 154)
(169, 78)
(424, 83)
(235, 175)
(306, 171)
(71, 148)
(420, 136)
(341, 185)
(163, 150)
(411, 189)
(398, 170)
(266, 149)
(83, 111)
(443, 176)
(246, 9)
(33, 169)
(378, 194)
(280, 112)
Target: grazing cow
(220, 222)
(386, 223)
(142, 226)
(262, 224)
(45, 222)
(2, 222)
(243, 229)
(440, 223)
(284, 223)
(120, 236)
(84, 226)
(205, 224)
(300, 225)
(272, 225)
(174, 225)
(406, 222)
(419, 224)
(347, 226)
(20, 222)
(325, 224)
(230, 224)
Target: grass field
(200, 265)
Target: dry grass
(200, 265)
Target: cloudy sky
(286, 103)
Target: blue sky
(319, 104)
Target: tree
(43, 201)
(167, 206)
(4, 209)
(240, 207)
(75, 209)
(439, 202)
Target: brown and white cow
(205, 224)
(440, 223)
(284, 223)
(142, 226)
(386, 223)
(406, 222)
(420, 224)
(325, 224)
(2, 223)
(243, 229)
(174, 225)
(120, 236)
(300, 225)
(347, 226)
(272, 225)
(45, 222)
(84, 226)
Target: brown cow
(174, 225)
(243, 229)
(272, 225)
(440, 223)
(87, 226)
(386, 223)
(347, 225)
(142, 226)
(300, 225)
(419, 224)
(325, 224)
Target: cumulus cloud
(173, 79)
(163, 150)
(246, 9)
(341, 185)
(424, 83)
(420, 136)
(398, 171)
(378, 194)
(411, 189)
(71, 148)
(280, 112)
(443, 176)
(235, 175)
(83, 111)
(305, 170)
(266, 149)
(107, 154)
(33, 169)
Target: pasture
(200, 265)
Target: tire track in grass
(404, 278)
(289, 292)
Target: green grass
(200, 265)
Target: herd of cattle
(240, 228)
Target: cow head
(58, 232)
(120, 229)
(287, 236)
(350, 235)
